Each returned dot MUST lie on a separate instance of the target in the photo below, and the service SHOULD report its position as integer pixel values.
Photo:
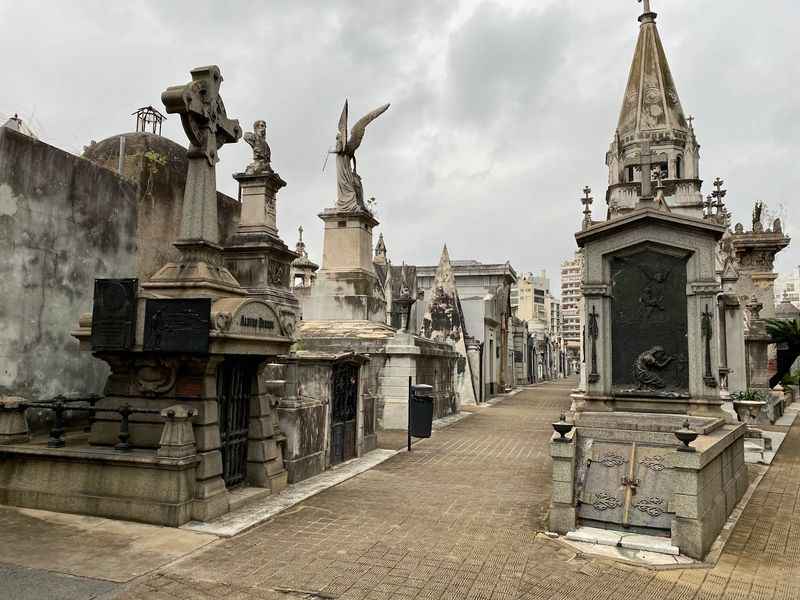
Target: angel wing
(343, 125)
(357, 134)
(250, 138)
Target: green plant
(787, 335)
(749, 396)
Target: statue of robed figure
(350, 197)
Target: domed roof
(787, 310)
(137, 144)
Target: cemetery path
(462, 516)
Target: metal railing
(61, 404)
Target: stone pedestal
(256, 256)
(347, 287)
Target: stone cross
(646, 165)
(208, 128)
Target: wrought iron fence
(61, 404)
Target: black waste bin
(421, 411)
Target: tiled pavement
(461, 516)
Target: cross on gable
(202, 113)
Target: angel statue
(350, 195)
(261, 152)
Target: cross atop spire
(587, 206)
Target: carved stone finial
(758, 227)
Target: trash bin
(421, 411)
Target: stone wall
(67, 220)
(158, 167)
(64, 222)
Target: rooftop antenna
(148, 120)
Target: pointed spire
(651, 100)
(380, 251)
(444, 277)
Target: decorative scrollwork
(605, 501)
(654, 463)
(653, 506)
(612, 460)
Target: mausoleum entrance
(236, 382)
(344, 412)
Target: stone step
(632, 541)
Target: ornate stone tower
(653, 135)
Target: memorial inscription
(650, 324)
(114, 314)
(177, 325)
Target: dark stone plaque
(114, 314)
(177, 325)
(649, 330)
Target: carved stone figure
(262, 155)
(757, 209)
(646, 365)
(777, 226)
(350, 195)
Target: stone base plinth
(626, 471)
(346, 296)
(135, 486)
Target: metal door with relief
(626, 484)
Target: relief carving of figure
(646, 365)
(262, 155)
(350, 196)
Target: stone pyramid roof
(651, 102)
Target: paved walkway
(460, 517)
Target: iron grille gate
(234, 384)
(343, 413)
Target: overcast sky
(501, 110)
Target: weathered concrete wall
(63, 222)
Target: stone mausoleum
(649, 449)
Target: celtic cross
(208, 128)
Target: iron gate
(344, 408)
(235, 380)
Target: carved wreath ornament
(612, 460)
(605, 501)
(652, 506)
(654, 463)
